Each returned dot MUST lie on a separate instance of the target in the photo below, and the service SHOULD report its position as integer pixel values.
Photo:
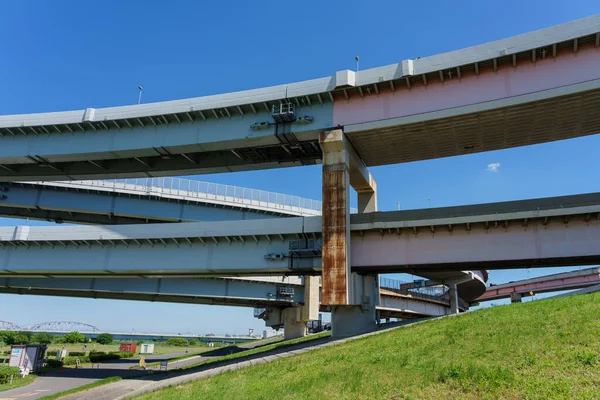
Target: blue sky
(72, 55)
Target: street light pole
(140, 95)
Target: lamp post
(140, 95)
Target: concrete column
(453, 298)
(515, 297)
(292, 327)
(336, 219)
(361, 317)
(310, 310)
(367, 198)
(353, 297)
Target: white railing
(394, 284)
(206, 190)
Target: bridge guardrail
(209, 191)
(428, 292)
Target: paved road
(55, 381)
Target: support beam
(351, 320)
(342, 168)
(453, 298)
(312, 291)
(336, 219)
(292, 327)
(515, 297)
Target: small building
(146, 348)
(28, 357)
(128, 347)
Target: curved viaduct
(532, 88)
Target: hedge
(6, 372)
(73, 360)
(77, 353)
(96, 357)
(54, 363)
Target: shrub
(43, 338)
(73, 360)
(105, 338)
(101, 357)
(177, 342)
(75, 337)
(6, 372)
(77, 353)
(54, 363)
(194, 342)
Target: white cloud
(493, 167)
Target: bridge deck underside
(470, 131)
(543, 121)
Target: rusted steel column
(336, 219)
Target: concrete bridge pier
(294, 319)
(515, 297)
(350, 320)
(453, 298)
(293, 328)
(352, 297)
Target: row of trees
(182, 342)
(25, 337)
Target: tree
(104, 338)
(194, 342)
(176, 341)
(43, 338)
(7, 336)
(75, 337)
(11, 338)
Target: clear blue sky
(73, 54)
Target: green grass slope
(547, 349)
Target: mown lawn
(547, 349)
(18, 382)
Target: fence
(394, 284)
(209, 191)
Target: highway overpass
(532, 88)
(150, 200)
(543, 284)
(531, 233)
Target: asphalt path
(56, 381)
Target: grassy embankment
(547, 349)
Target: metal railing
(430, 291)
(209, 191)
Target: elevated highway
(146, 200)
(530, 233)
(532, 88)
(544, 284)
(260, 292)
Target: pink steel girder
(514, 244)
(550, 285)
